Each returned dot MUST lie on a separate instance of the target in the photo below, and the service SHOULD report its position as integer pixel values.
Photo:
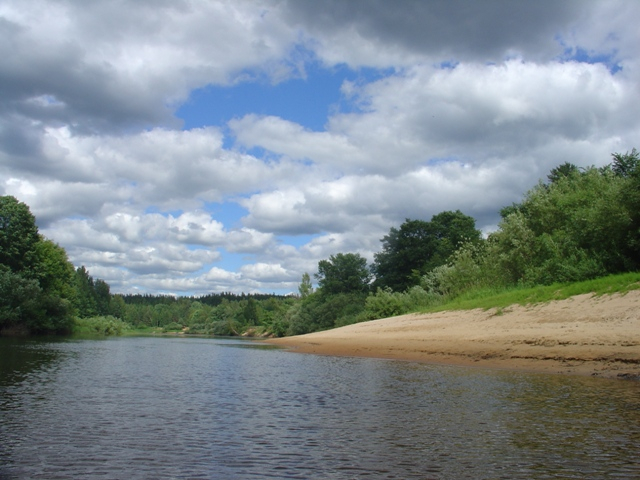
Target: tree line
(575, 225)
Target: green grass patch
(500, 299)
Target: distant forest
(577, 224)
(211, 299)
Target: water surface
(210, 408)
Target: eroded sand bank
(583, 335)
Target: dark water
(207, 408)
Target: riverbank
(583, 335)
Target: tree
(450, 230)
(118, 308)
(102, 296)
(343, 273)
(85, 301)
(19, 302)
(305, 288)
(54, 271)
(627, 164)
(36, 291)
(250, 312)
(419, 246)
(403, 251)
(578, 227)
(18, 236)
(562, 171)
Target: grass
(487, 299)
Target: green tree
(628, 167)
(581, 217)
(102, 296)
(85, 301)
(19, 302)
(305, 288)
(117, 307)
(250, 312)
(404, 250)
(54, 271)
(626, 164)
(36, 291)
(450, 230)
(562, 171)
(18, 236)
(343, 273)
(582, 225)
(419, 246)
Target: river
(205, 408)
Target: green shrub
(104, 325)
(172, 327)
(279, 327)
(385, 303)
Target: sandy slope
(584, 335)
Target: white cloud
(267, 272)
(457, 118)
(117, 65)
(292, 140)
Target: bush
(386, 303)
(172, 327)
(279, 327)
(226, 328)
(100, 326)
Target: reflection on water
(196, 408)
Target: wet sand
(583, 335)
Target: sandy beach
(583, 335)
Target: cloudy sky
(188, 147)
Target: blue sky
(198, 147)
(307, 101)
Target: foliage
(86, 300)
(101, 325)
(19, 303)
(574, 229)
(562, 171)
(522, 295)
(18, 237)
(626, 164)
(384, 303)
(172, 327)
(305, 288)
(420, 246)
(35, 291)
(343, 273)
(387, 303)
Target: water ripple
(148, 408)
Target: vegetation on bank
(103, 325)
(576, 232)
(485, 299)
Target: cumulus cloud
(442, 105)
(109, 66)
(381, 33)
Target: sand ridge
(583, 335)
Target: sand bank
(583, 335)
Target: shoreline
(584, 335)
